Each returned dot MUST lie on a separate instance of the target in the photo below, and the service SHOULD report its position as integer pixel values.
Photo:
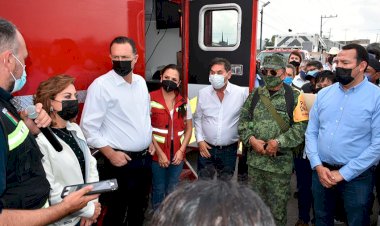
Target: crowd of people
(320, 120)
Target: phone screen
(104, 185)
(98, 187)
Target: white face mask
(216, 80)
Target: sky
(356, 19)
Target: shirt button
(337, 121)
(341, 109)
(332, 134)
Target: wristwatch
(278, 142)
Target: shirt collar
(120, 80)
(5, 94)
(354, 88)
(70, 127)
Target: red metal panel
(252, 72)
(73, 37)
(185, 46)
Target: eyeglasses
(271, 71)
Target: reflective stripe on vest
(157, 130)
(180, 133)
(159, 139)
(155, 104)
(18, 136)
(182, 138)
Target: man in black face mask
(342, 140)
(116, 120)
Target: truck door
(220, 28)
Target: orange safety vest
(162, 123)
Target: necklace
(68, 133)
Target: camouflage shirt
(263, 126)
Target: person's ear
(229, 74)
(7, 59)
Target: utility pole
(261, 23)
(325, 17)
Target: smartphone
(98, 187)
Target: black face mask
(122, 68)
(294, 63)
(318, 89)
(70, 109)
(343, 75)
(169, 85)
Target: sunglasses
(271, 71)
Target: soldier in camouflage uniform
(270, 156)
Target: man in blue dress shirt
(343, 140)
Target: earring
(51, 109)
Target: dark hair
(8, 39)
(297, 53)
(47, 90)
(122, 40)
(209, 202)
(220, 61)
(325, 74)
(173, 67)
(361, 53)
(315, 63)
(374, 48)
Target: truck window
(219, 27)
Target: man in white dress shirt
(216, 120)
(116, 120)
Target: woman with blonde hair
(74, 164)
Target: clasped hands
(269, 148)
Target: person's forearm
(107, 151)
(158, 149)
(187, 136)
(37, 217)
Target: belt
(332, 166)
(135, 154)
(222, 147)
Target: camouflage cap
(274, 61)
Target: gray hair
(8, 39)
(214, 203)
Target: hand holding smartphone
(98, 187)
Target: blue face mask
(19, 83)
(288, 80)
(312, 72)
